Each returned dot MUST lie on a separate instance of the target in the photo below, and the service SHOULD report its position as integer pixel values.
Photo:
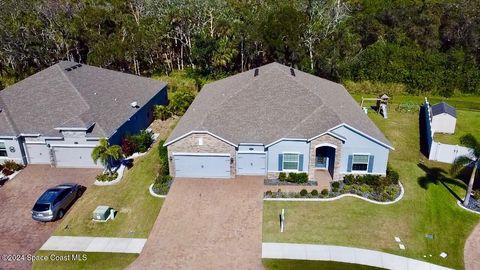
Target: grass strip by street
(428, 207)
(274, 264)
(68, 260)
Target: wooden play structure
(381, 104)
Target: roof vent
(292, 71)
(134, 104)
(256, 73)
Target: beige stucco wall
(210, 144)
(329, 139)
(444, 123)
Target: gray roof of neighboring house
(443, 107)
(62, 96)
(275, 104)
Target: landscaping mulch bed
(276, 182)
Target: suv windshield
(40, 207)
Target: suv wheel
(60, 214)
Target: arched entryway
(325, 158)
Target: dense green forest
(423, 46)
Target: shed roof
(270, 103)
(443, 107)
(72, 95)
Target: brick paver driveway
(19, 234)
(207, 224)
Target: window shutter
(349, 164)
(300, 162)
(280, 162)
(370, 164)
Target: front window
(290, 161)
(360, 163)
(3, 149)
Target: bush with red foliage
(7, 172)
(128, 146)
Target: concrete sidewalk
(94, 244)
(344, 254)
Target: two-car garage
(217, 165)
(60, 156)
(195, 165)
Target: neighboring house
(275, 119)
(58, 115)
(444, 118)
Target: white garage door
(38, 153)
(74, 157)
(202, 166)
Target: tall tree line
(430, 46)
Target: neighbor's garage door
(74, 157)
(202, 166)
(251, 163)
(38, 153)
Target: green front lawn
(137, 209)
(427, 208)
(312, 265)
(467, 122)
(60, 260)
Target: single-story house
(444, 118)
(275, 119)
(58, 115)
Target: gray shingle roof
(443, 107)
(275, 104)
(76, 98)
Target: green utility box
(101, 213)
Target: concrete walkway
(94, 244)
(344, 254)
(472, 250)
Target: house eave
(199, 132)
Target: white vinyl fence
(447, 152)
(440, 151)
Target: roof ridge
(295, 79)
(255, 78)
(76, 91)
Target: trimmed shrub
(299, 178)
(163, 154)
(392, 175)
(282, 176)
(268, 193)
(349, 179)
(12, 165)
(324, 192)
(137, 143)
(162, 184)
(314, 192)
(105, 177)
(303, 192)
(336, 185)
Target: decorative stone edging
(465, 208)
(402, 192)
(155, 194)
(113, 182)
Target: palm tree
(106, 153)
(463, 161)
